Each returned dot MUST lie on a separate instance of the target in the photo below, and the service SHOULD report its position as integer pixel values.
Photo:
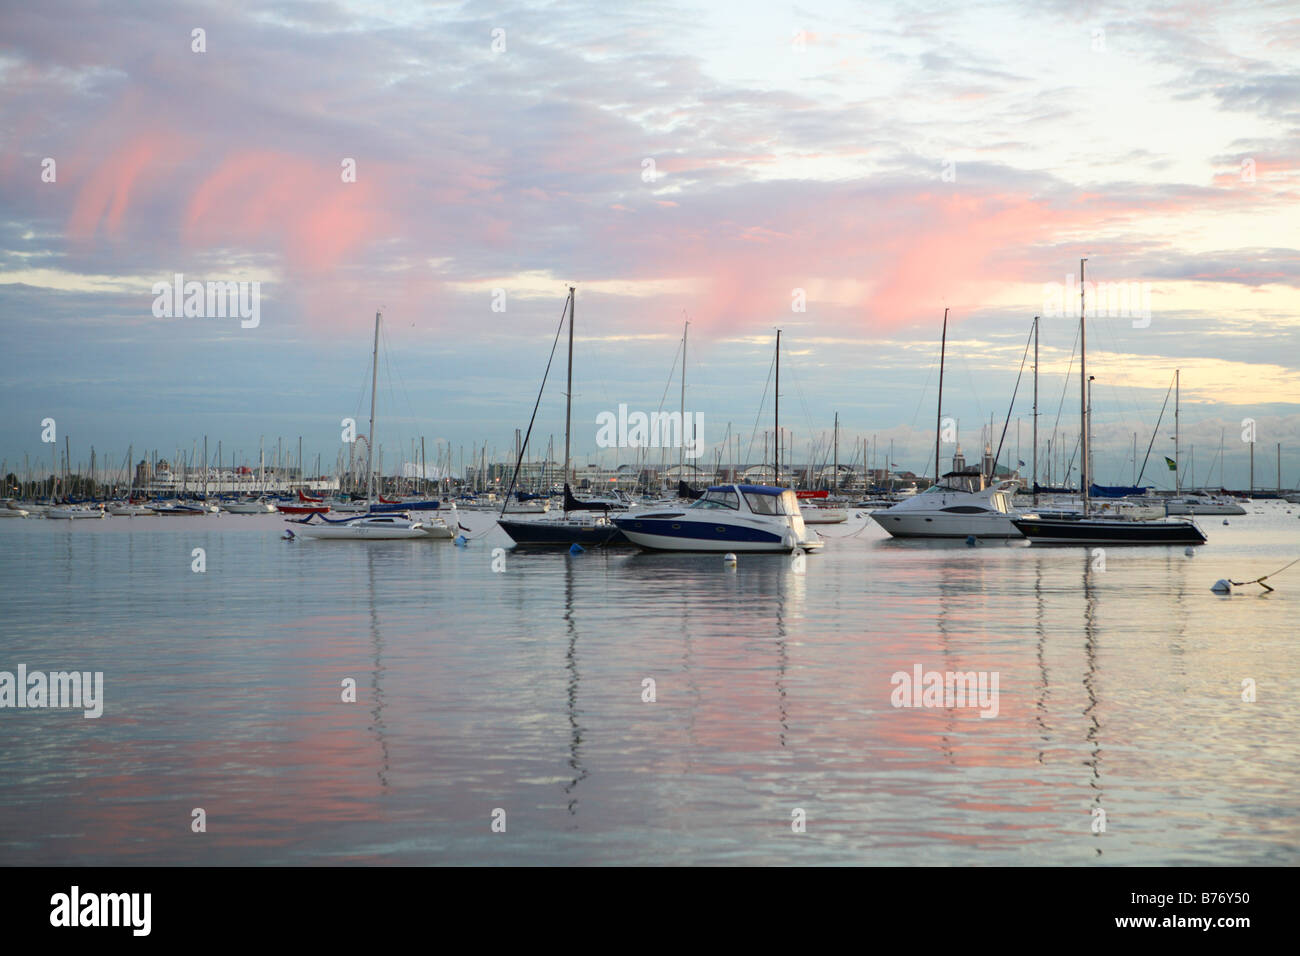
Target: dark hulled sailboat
(582, 523)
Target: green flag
(1173, 465)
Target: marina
(616, 436)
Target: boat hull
(561, 534)
(923, 525)
(1091, 531)
(670, 534)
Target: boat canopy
(1116, 491)
(750, 489)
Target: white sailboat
(388, 526)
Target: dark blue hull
(1079, 530)
(555, 534)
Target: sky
(842, 171)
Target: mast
(938, 415)
(205, 467)
(568, 401)
(1083, 392)
(1035, 411)
(370, 445)
(681, 448)
(776, 414)
(1177, 461)
(837, 453)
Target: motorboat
(960, 506)
(726, 518)
(256, 506)
(823, 514)
(11, 509)
(1198, 504)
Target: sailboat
(583, 523)
(372, 526)
(1080, 527)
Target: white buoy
(729, 560)
(1225, 520)
(1189, 551)
(288, 535)
(1222, 587)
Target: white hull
(74, 513)
(824, 515)
(937, 525)
(350, 532)
(655, 542)
(249, 508)
(945, 511)
(1184, 507)
(129, 511)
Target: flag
(1173, 465)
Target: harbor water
(615, 707)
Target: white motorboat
(1197, 504)
(72, 512)
(725, 518)
(960, 506)
(11, 509)
(824, 515)
(257, 507)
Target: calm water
(522, 690)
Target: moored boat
(751, 518)
(1080, 529)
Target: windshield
(718, 499)
(764, 504)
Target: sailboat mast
(776, 413)
(837, 453)
(1177, 461)
(568, 401)
(1035, 466)
(938, 414)
(370, 444)
(681, 447)
(1083, 391)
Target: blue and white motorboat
(725, 518)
